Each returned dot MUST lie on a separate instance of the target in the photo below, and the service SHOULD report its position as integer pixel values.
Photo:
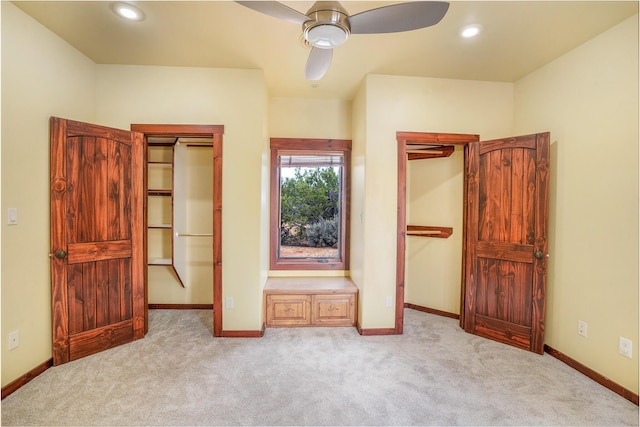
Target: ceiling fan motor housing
(328, 26)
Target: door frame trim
(405, 139)
(200, 131)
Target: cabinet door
(288, 310)
(333, 310)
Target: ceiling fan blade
(277, 10)
(318, 63)
(398, 17)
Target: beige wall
(42, 76)
(229, 97)
(588, 99)
(391, 104)
(358, 238)
(309, 118)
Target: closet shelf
(160, 261)
(166, 262)
(161, 162)
(429, 231)
(429, 152)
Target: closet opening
(430, 234)
(504, 217)
(183, 217)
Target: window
(310, 204)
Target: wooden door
(97, 266)
(507, 188)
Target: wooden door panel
(99, 190)
(103, 294)
(98, 251)
(505, 251)
(75, 293)
(523, 141)
(504, 291)
(100, 339)
(97, 223)
(506, 194)
(85, 209)
(504, 332)
(99, 294)
(507, 210)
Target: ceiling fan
(327, 24)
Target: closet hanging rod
(429, 231)
(430, 151)
(199, 142)
(194, 234)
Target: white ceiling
(518, 37)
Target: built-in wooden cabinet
(288, 310)
(333, 310)
(310, 301)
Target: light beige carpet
(434, 374)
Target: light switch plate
(12, 216)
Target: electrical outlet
(582, 328)
(14, 340)
(229, 302)
(389, 301)
(625, 347)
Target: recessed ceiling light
(128, 11)
(470, 31)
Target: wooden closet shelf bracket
(428, 231)
(429, 152)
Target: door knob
(60, 254)
(538, 254)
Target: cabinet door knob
(538, 254)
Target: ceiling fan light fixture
(328, 25)
(326, 36)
